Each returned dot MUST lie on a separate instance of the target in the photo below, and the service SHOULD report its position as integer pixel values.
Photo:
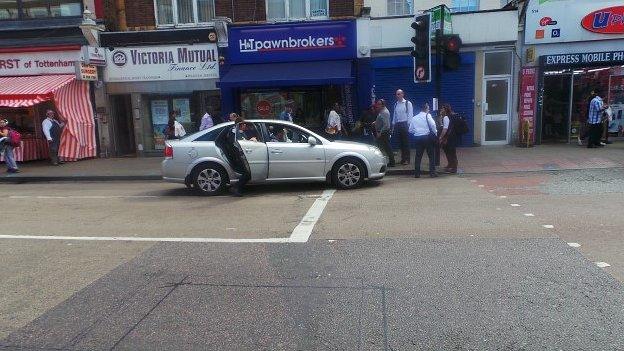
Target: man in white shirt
(334, 125)
(403, 112)
(52, 129)
(423, 127)
(206, 121)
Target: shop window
(465, 5)
(292, 10)
(35, 9)
(498, 63)
(399, 7)
(184, 12)
(8, 10)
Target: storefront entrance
(123, 124)
(556, 112)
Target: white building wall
(379, 8)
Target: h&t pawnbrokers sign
(158, 63)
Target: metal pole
(571, 105)
(438, 78)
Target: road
(486, 261)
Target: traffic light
(422, 48)
(450, 51)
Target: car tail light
(168, 151)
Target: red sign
(528, 101)
(263, 108)
(606, 21)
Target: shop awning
(31, 90)
(289, 74)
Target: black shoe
(608, 142)
(236, 192)
(433, 175)
(13, 170)
(591, 146)
(417, 175)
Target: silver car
(273, 151)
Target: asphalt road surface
(530, 261)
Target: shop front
(576, 55)
(305, 66)
(146, 83)
(33, 81)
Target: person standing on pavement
(206, 121)
(174, 130)
(334, 124)
(448, 137)
(423, 127)
(6, 147)
(594, 120)
(286, 115)
(382, 128)
(53, 129)
(403, 112)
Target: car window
(211, 135)
(279, 133)
(248, 131)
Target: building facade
(40, 45)
(571, 48)
(482, 89)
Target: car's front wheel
(209, 179)
(348, 174)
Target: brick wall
(110, 15)
(341, 8)
(140, 13)
(244, 10)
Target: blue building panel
(392, 73)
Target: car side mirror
(312, 141)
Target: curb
(47, 179)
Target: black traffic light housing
(422, 48)
(450, 50)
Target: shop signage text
(583, 58)
(86, 72)
(152, 63)
(292, 42)
(564, 21)
(528, 96)
(94, 55)
(606, 21)
(37, 63)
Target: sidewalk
(491, 159)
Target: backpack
(15, 138)
(459, 124)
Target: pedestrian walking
(595, 121)
(206, 121)
(449, 137)
(174, 129)
(6, 147)
(382, 130)
(53, 129)
(286, 115)
(228, 142)
(334, 123)
(423, 128)
(403, 112)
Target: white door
(290, 154)
(496, 111)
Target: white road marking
(502, 197)
(602, 264)
(481, 186)
(529, 215)
(125, 238)
(302, 232)
(515, 205)
(548, 226)
(574, 244)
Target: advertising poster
(160, 117)
(528, 101)
(183, 106)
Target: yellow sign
(530, 54)
(86, 72)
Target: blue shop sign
(327, 40)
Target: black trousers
(424, 143)
(402, 131)
(243, 179)
(53, 149)
(383, 141)
(595, 133)
(450, 150)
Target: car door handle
(277, 151)
(248, 150)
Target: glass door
(496, 111)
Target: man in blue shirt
(286, 115)
(594, 120)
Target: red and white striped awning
(31, 90)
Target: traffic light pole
(438, 80)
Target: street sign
(422, 48)
(94, 56)
(86, 72)
(436, 20)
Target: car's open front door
(253, 150)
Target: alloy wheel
(209, 180)
(349, 174)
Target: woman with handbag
(423, 128)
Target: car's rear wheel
(209, 179)
(348, 173)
